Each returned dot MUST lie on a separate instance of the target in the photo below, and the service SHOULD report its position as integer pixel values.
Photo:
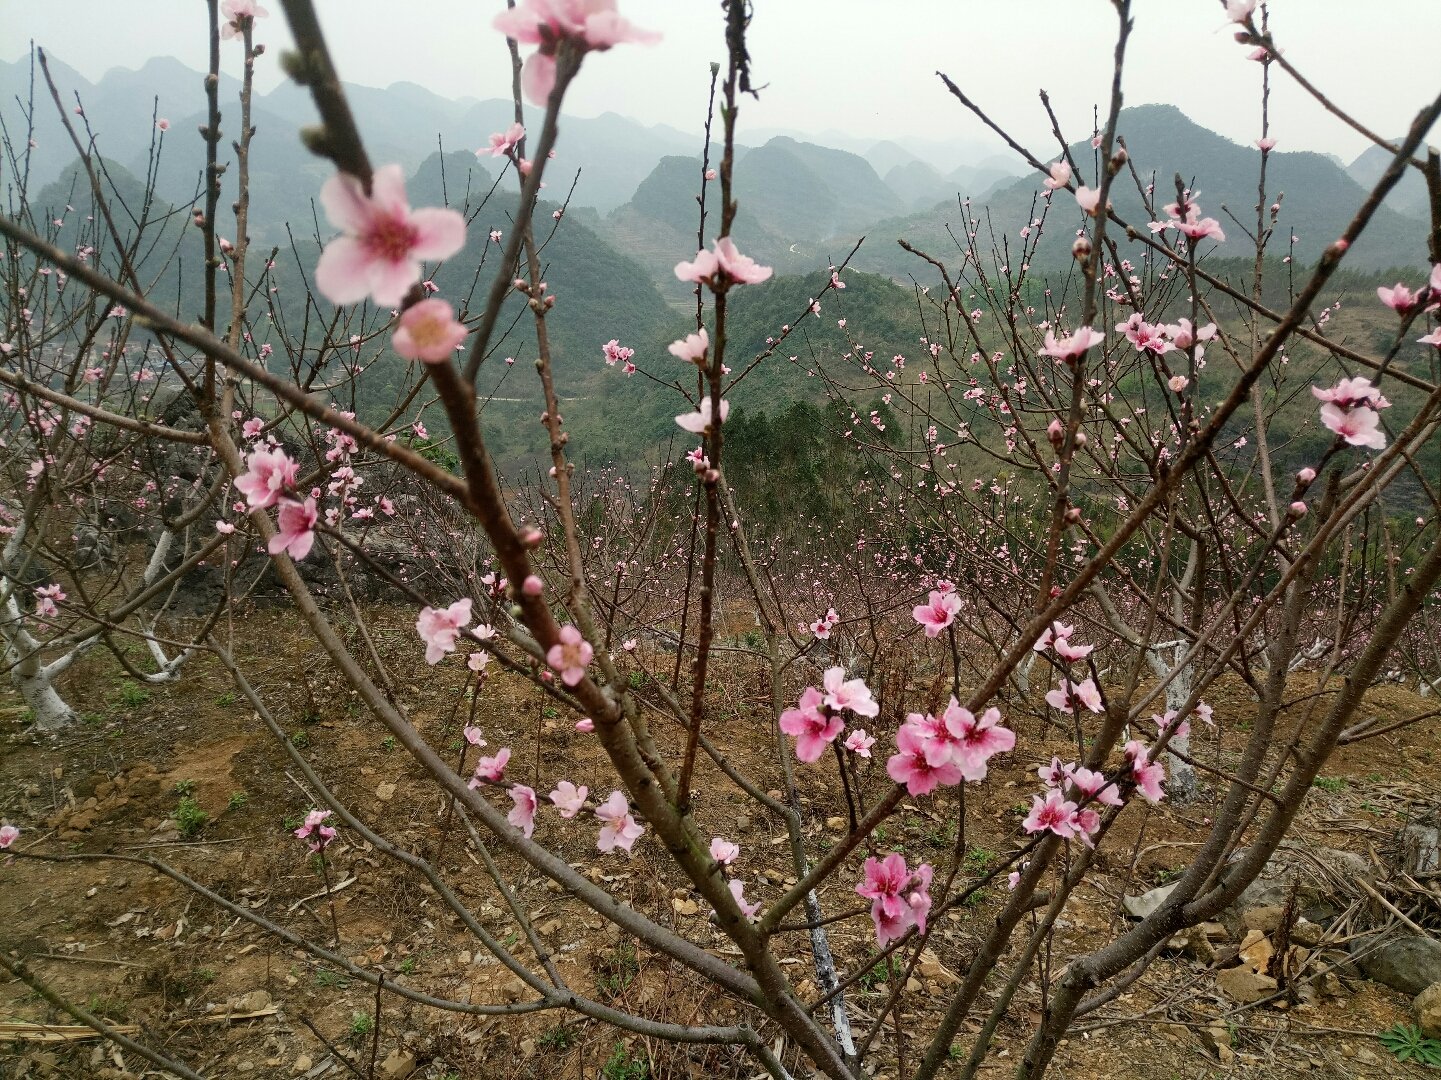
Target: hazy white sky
(865, 67)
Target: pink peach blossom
(428, 331)
(692, 347)
(1091, 783)
(900, 898)
(723, 851)
(269, 473)
(568, 798)
(1089, 200)
(316, 830)
(8, 835)
(1068, 695)
(235, 12)
(503, 142)
(570, 656)
(1069, 349)
(490, 769)
(619, 828)
(384, 241)
(701, 420)
(1054, 812)
(724, 268)
(296, 522)
(1359, 426)
(859, 743)
(439, 627)
(1060, 176)
(813, 728)
(522, 815)
(1350, 392)
(1071, 653)
(937, 613)
(977, 739)
(1148, 775)
(910, 766)
(589, 25)
(737, 888)
(852, 695)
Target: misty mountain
(1317, 198)
(403, 122)
(1407, 197)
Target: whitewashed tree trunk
(1181, 783)
(32, 678)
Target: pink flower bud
(1081, 249)
(532, 586)
(1298, 509)
(1306, 475)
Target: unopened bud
(532, 538)
(1081, 439)
(1081, 249)
(1306, 475)
(1056, 433)
(712, 476)
(1073, 515)
(1298, 509)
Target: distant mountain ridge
(1317, 198)
(803, 200)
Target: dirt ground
(134, 778)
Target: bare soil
(138, 949)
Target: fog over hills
(804, 198)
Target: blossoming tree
(1115, 515)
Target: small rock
(398, 1064)
(1427, 1008)
(255, 1001)
(1217, 1039)
(1264, 919)
(385, 792)
(1307, 933)
(1256, 951)
(1367, 1057)
(1194, 943)
(1408, 964)
(1140, 907)
(743, 822)
(836, 823)
(1286, 872)
(1243, 985)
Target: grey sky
(865, 67)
